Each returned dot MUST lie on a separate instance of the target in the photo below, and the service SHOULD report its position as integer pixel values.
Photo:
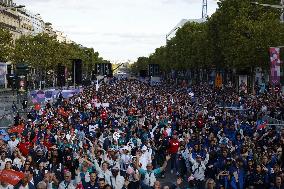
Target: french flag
(261, 124)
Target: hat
(125, 148)
(115, 168)
(198, 156)
(8, 160)
(144, 148)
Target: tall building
(49, 29)
(10, 19)
(8, 3)
(38, 24)
(26, 24)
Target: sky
(119, 30)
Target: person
(41, 185)
(198, 168)
(92, 184)
(12, 144)
(116, 180)
(278, 183)
(68, 183)
(210, 184)
(5, 185)
(26, 181)
(102, 183)
(103, 172)
(149, 174)
(173, 150)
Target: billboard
(275, 65)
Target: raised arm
(168, 157)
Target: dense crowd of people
(130, 135)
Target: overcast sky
(118, 29)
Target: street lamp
(280, 6)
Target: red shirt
(24, 148)
(173, 147)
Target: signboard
(275, 65)
(243, 83)
(218, 80)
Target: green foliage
(238, 35)
(6, 44)
(44, 53)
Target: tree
(6, 44)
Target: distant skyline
(119, 30)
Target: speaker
(99, 69)
(77, 68)
(60, 75)
(9, 69)
(108, 69)
(143, 73)
(153, 69)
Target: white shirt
(198, 169)
(12, 145)
(103, 174)
(18, 162)
(145, 159)
(71, 185)
(117, 182)
(9, 186)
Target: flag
(11, 177)
(17, 129)
(4, 135)
(261, 124)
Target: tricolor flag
(261, 124)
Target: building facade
(26, 25)
(49, 29)
(38, 24)
(8, 3)
(10, 19)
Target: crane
(204, 9)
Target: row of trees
(43, 53)
(237, 36)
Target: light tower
(204, 9)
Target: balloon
(37, 107)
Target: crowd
(130, 135)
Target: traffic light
(154, 70)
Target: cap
(144, 148)
(8, 160)
(115, 168)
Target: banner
(243, 83)
(41, 96)
(11, 177)
(275, 65)
(17, 129)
